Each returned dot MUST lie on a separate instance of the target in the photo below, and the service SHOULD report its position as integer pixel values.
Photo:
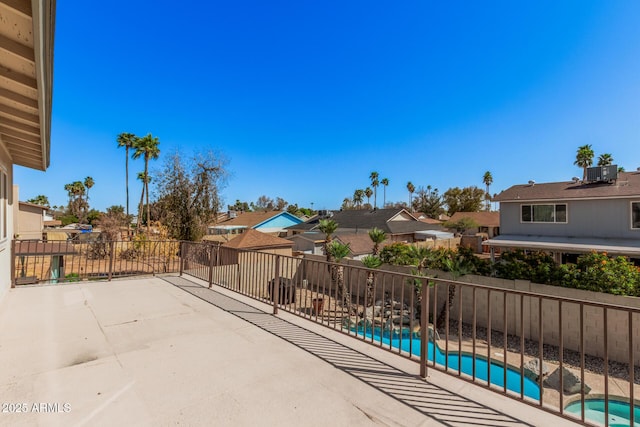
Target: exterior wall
(6, 167)
(28, 222)
(608, 218)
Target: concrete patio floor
(168, 351)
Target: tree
(112, 221)
(189, 193)
(88, 183)
(126, 140)
(605, 159)
(147, 147)
(487, 179)
(78, 205)
(461, 225)
(264, 203)
(239, 206)
(429, 202)
(145, 179)
(347, 204)
(328, 227)
(40, 199)
(357, 197)
(385, 183)
(281, 204)
(368, 193)
(411, 188)
(468, 199)
(377, 236)
(584, 159)
(372, 262)
(338, 251)
(374, 183)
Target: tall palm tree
(488, 180)
(145, 180)
(357, 197)
(368, 192)
(126, 140)
(372, 262)
(328, 227)
(584, 159)
(384, 182)
(605, 159)
(338, 252)
(147, 147)
(410, 188)
(88, 182)
(377, 236)
(374, 184)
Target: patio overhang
(26, 80)
(628, 247)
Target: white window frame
(566, 205)
(631, 214)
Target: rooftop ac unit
(602, 173)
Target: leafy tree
(126, 140)
(78, 205)
(372, 262)
(620, 169)
(92, 216)
(374, 183)
(584, 159)
(468, 199)
(146, 147)
(189, 193)
(377, 236)
(411, 188)
(112, 221)
(281, 203)
(385, 183)
(605, 159)
(40, 199)
(429, 202)
(264, 203)
(487, 179)
(461, 225)
(396, 254)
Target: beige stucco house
(26, 82)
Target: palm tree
(147, 147)
(384, 182)
(411, 188)
(372, 262)
(368, 192)
(357, 198)
(377, 236)
(488, 180)
(145, 180)
(328, 227)
(584, 159)
(338, 252)
(88, 182)
(126, 140)
(605, 159)
(374, 184)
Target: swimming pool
(411, 344)
(594, 411)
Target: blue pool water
(594, 411)
(412, 345)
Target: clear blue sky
(306, 98)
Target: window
(635, 215)
(543, 213)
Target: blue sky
(306, 98)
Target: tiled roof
(253, 239)
(627, 185)
(484, 219)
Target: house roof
(391, 221)
(26, 80)
(34, 205)
(483, 219)
(251, 219)
(359, 243)
(253, 239)
(629, 247)
(627, 185)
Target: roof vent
(575, 179)
(532, 182)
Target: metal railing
(568, 356)
(64, 261)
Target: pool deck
(169, 351)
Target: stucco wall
(585, 218)
(29, 222)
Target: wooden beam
(21, 144)
(20, 126)
(18, 49)
(16, 97)
(22, 79)
(14, 112)
(22, 6)
(7, 131)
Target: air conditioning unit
(602, 173)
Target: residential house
(257, 241)
(26, 67)
(570, 218)
(30, 220)
(271, 222)
(488, 222)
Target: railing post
(275, 291)
(211, 248)
(182, 256)
(111, 254)
(424, 329)
(13, 263)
